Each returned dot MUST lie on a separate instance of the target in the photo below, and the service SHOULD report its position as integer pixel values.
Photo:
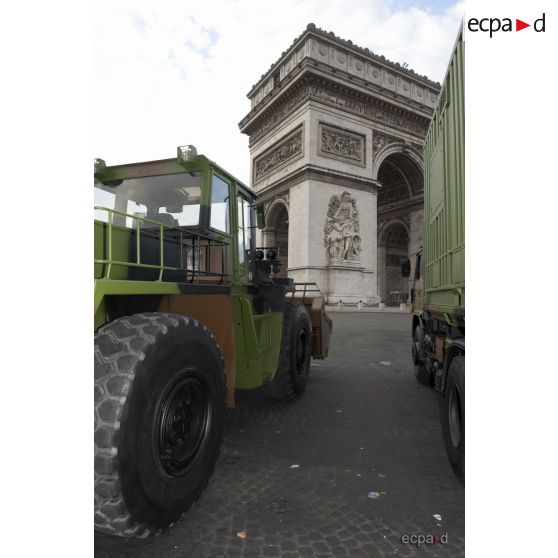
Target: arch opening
(400, 219)
(401, 179)
(277, 234)
(393, 246)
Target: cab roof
(162, 166)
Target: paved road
(364, 425)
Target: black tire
(421, 374)
(292, 374)
(452, 410)
(159, 411)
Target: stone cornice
(347, 45)
(328, 267)
(322, 174)
(360, 86)
(312, 86)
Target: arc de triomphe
(336, 137)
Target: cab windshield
(170, 199)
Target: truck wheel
(452, 409)
(291, 377)
(159, 410)
(421, 374)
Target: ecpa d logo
(494, 24)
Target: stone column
(332, 240)
(382, 271)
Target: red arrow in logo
(519, 25)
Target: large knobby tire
(293, 370)
(421, 374)
(452, 410)
(159, 411)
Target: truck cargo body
(438, 294)
(444, 203)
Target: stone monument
(336, 138)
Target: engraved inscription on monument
(280, 154)
(341, 144)
(342, 230)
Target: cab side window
(244, 228)
(241, 230)
(220, 196)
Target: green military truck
(187, 309)
(438, 293)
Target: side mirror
(260, 217)
(406, 267)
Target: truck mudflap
(322, 325)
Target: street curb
(332, 309)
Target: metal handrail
(305, 289)
(192, 240)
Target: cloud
(173, 73)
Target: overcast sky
(173, 72)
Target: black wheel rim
(301, 351)
(455, 416)
(182, 422)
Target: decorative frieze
(278, 114)
(280, 154)
(369, 109)
(342, 230)
(341, 144)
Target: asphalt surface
(294, 479)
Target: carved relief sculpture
(271, 160)
(342, 229)
(341, 144)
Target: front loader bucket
(322, 325)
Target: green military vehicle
(187, 309)
(438, 293)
